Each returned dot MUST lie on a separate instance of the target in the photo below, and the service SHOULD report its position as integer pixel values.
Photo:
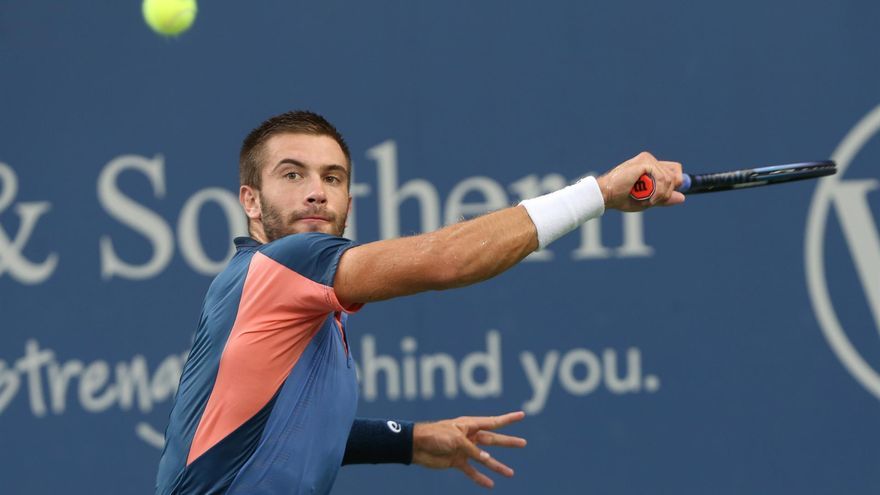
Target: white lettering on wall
(134, 386)
(470, 197)
(136, 216)
(12, 259)
(581, 372)
(391, 196)
(494, 198)
(131, 385)
(154, 228)
(420, 373)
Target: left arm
(439, 445)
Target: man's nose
(316, 192)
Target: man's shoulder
(312, 254)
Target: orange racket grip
(643, 189)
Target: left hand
(452, 442)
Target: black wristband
(379, 441)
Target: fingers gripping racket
(738, 179)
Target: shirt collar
(246, 242)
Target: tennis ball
(169, 17)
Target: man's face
(304, 186)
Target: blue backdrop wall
(726, 346)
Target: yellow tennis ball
(169, 17)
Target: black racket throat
(756, 177)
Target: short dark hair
(293, 122)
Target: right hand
(616, 183)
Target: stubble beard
(275, 226)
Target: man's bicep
(386, 269)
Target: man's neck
(255, 231)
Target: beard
(276, 225)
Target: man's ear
(249, 197)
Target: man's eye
(333, 179)
(292, 175)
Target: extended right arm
(475, 250)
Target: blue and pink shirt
(269, 392)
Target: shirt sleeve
(313, 255)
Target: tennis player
(267, 398)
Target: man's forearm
(484, 247)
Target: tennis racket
(738, 179)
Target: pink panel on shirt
(279, 313)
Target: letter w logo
(860, 230)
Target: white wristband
(558, 213)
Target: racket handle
(643, 189)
